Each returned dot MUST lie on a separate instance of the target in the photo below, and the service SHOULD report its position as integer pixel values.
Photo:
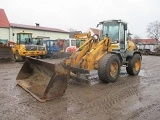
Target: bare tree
(137, 39)
(153, 30)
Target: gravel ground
(130, 98)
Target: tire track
(150, 112)
(103, 103)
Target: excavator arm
(89, 56)
(82, 35)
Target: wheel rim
(16, 56)
(137, 65)
(113, 68)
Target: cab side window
(122, 38)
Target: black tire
(18, 57)
(134, 65)
(104, 68)
(42, 56)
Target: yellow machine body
(25, 46)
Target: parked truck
(61, 48)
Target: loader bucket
(6, 53)
(44, 81)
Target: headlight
(22, 47)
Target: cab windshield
(37, 41)
(79, 42)
(24, 38)
(112, 30)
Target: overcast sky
(83, 14)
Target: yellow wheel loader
(27, 46)
(40, 47)
(46, 81)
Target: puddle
(93, 82)
(123, 74)
(141, 73)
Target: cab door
(122, 38)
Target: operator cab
(24, 38)
(37, 41)
(116, 30)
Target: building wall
(92, 33)
(50, 34)
(4, 33)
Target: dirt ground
(130, 98)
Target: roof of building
(145, 41)
(5, 23)
(96, 31)
(3, 19)
(71, 34)
(15, 25)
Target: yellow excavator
(46, 81)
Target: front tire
(134, 65)
(109, 68)
(18, 57)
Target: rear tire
(18, 57)
(109, 68)
(134, 65)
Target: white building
(95, 31)
(9, 30)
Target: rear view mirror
(100, 23)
